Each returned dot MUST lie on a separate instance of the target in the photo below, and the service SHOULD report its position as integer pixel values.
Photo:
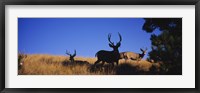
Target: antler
(109, 36)
(120, 37)
(74, 53)
(143, 50)
(67, 52)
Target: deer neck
(142, 55)
(116, 50)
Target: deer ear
(118, 44)
(74, 55)
(70, 55)
(110, 45)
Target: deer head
(112, 45)
(143, 51)
(71, 58)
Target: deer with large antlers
(71, 57)
(109, 56)
(132, 55)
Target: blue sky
(87, 35)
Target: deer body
(132, 55)
(109, 56)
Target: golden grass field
(41, 64)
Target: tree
(167, 46)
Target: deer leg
(101, 66)
(117, 63)
(125, 59)
(96, 62)
(102, 63)
(112, 64)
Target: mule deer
(109, 56)
(71, 57)
(132, 55)
(74, 62)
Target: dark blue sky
(86, 35)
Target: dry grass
(60, 65)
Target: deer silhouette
(109, 56)
(132, 55)
(74, 62)
(71, 57)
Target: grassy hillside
(60, 65)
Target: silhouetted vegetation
(167, 46)
(127, 69)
